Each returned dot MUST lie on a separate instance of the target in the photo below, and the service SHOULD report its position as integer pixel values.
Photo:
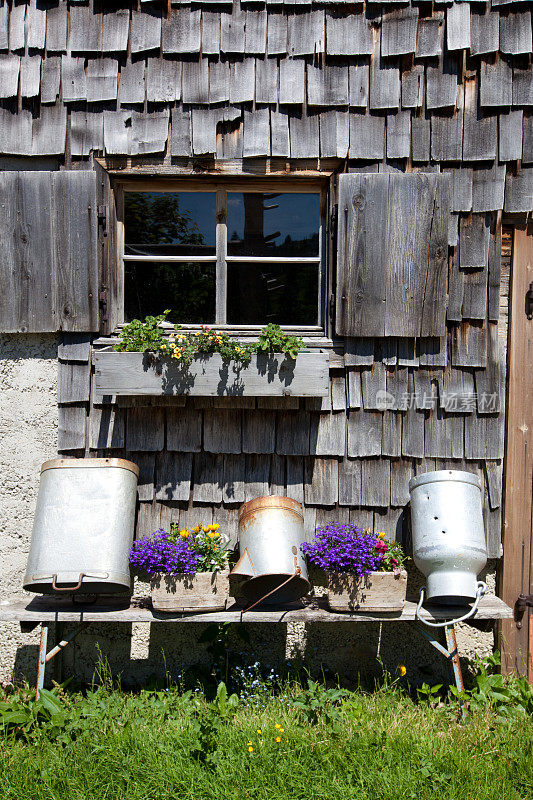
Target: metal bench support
(449, 652)
(45, 657)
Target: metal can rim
(91, 463)
(443, 476)
(270, 501)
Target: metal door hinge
(102, 218)
(102, 301)
(523, 602)
(529, 302)
(332, 308)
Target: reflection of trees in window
(188, 289)
(155, 218)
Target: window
(225, 254)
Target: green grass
(381, 746)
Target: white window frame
(221, 258)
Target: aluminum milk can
(271, 530)
(448, 533)
(83, 526)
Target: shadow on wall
(137, 654)
(18, 346)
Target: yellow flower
(381, 535)
(196, 530)
(250, 749)
(249, 744)
(184, 533)
(278, 739)
(259, 730)
(277, 725)
(205, 528)
(213, 526)
(282, 730)
(402, 669)
(198, 333)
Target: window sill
(209, 376)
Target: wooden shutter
(392, 255)
(110, 275)
(48, 251)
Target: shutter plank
(363, 205)
(27, 264)
(76, 254)
(405, 264)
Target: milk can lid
(271, 501)
(445, 475)
(87, 463)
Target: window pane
(187, 289)
(286, 294)
(170, 223)
(273, 224)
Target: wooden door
(516, 637)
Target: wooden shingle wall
(381, 87)
(348, 457)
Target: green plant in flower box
(184, 346)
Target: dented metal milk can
(83, 526)
(271, 530)
(448, 537)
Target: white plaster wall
(28, 436)
(28, 430)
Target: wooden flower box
(204, 591)
(209, 376)
(379, 591)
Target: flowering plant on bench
(364, 571)
(184, 551)
(346, 548)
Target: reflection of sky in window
(200, 208)
(294, 215)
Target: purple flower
(158, 553)
(343, 548)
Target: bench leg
(45, 657)
(449, 652)
(451, 643)
(41, 662)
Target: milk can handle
(57, 588)
(481, 589)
